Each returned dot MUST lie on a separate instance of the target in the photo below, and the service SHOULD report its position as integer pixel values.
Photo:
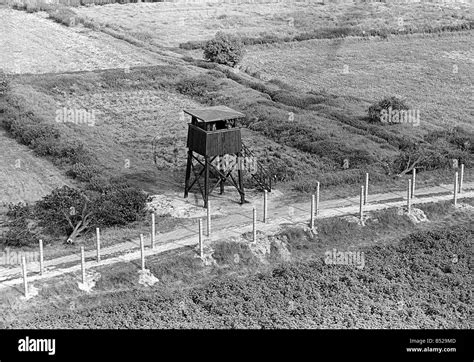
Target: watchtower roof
(214, 114)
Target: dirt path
(227, 227)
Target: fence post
(25, 282)
(142, 249)
(413, 183)
(208, 218)
(313, 202)
(361, 204)
(317, 200)
(366, 189)
(254, 229)
(41, 257)
(461, 178)
(153, 230)
(83, 266)
(97, 232)
(455, 197)
(265, 206)
(201, 251)
(409, 197)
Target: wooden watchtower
(213, 133)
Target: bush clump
(63, 15)
(72, 212)
(4, 84)
(18, 232)
(82, 172)
(196, 86)
(375, 110)
(224, 49)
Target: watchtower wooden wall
(214, 143)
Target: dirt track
(232, 225)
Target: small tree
(224, 49)
(66, 210)
(72, 212)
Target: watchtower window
(214, 118)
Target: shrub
(294, 99)
(18, 232)
(192, 45)
(4, 83)
(28, 130)
(65, 210)
(121, 205)
(43, 138)
(71, 211)
(224, 49)
(375, 110)
(63, 15)
(196, 86)
(82, 172)
(216, 74)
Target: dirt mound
(416, 215)
(176, 206)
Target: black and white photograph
(192, 176)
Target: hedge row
(338, 32)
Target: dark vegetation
(386, 103)
(337, 32)
(224, 49)
(421, 282)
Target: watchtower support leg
(188, 173)
(241, 180)
(206, 181)
(222, 185)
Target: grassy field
(433, 74)
(31, 43)
(134, 108)
(306, 106)
(170, 24)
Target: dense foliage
(224, 49)
(339, 32)
(196, 86)
(18, 232)
(69, 211)
(423, 282)
(4, 83)
(383, 105)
